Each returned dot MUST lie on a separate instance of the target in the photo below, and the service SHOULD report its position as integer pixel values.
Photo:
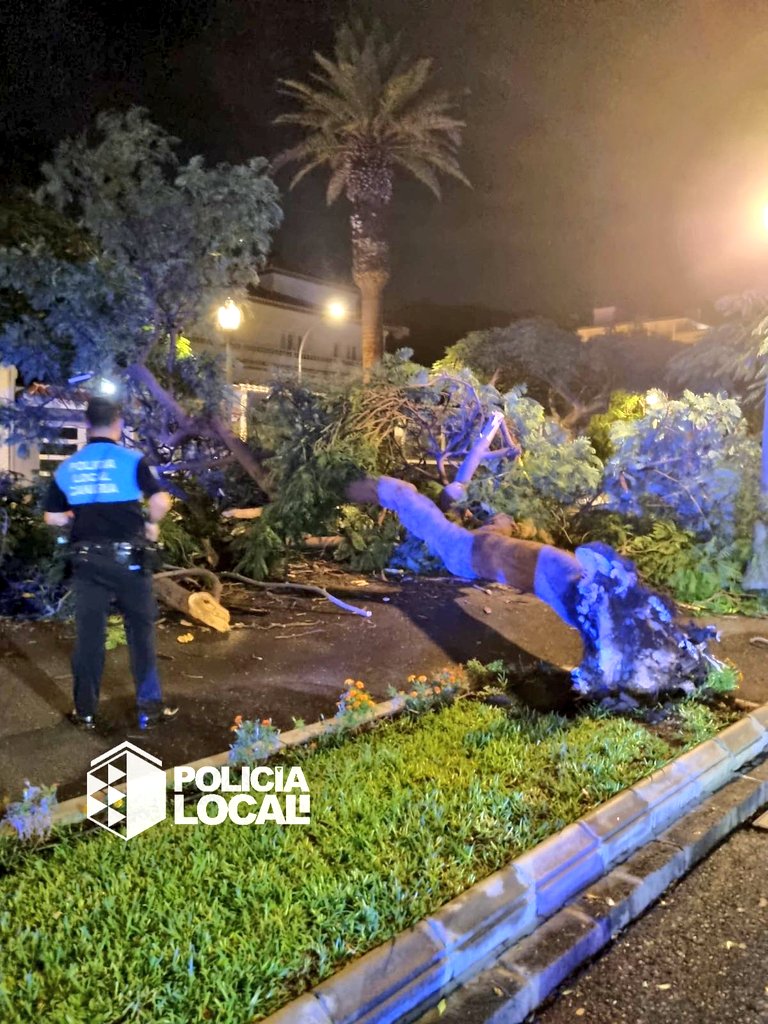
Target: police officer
(97, 493)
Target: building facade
(295, 325)
(682, 329)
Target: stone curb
(527, 973)
(530, 908)
(72, 812)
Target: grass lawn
(186, 924)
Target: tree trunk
(370, 270)
(213, 428)
(633, 649)
(371, 287)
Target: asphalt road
(289, 659)
(700, 956)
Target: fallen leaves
(185, 638)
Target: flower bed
(229, 923)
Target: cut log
(201, 606)
(205, 608)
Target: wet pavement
(700, 956)
(287, 657)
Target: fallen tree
(634, 649)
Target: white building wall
(266, 345)
(307, 289)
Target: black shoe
(151, 719)
(85, 722)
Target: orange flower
(349, 682)
(236, 724)
(414, 693)
(436, 690)
(266, 721)
(422, 679)
(360, 685)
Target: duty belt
(121, 551)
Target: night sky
(618, 150)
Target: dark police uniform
(103, 485)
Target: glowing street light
(229, 317)
(335, 311)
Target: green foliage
(534, 352)
(254, 741)
(706, 574)
(367, 542)
(31, 818)
(622, 406)
(31, 569)
(724, 679)
(115, 633)
(428, 693)
(549, 482)
(320, 444)
(408, 815)
(355, 706)
(258, 548)
(167, 242)
(689, 461)
(369, 111)
(698, 722)
(730, 356)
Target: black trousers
(97, 580)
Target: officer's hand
(152, 532)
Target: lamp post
(229, 318)
(335, 312)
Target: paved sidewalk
(700, 956)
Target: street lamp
(336, 312)
(229, 317)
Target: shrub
(254, 741)
(367, 542)
(31, 568)
(355, 706)
(426, 693)
(623, 407)
(689, 461)
(31, 818)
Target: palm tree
(365, 114)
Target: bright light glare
(107, 387)
(336, 310)
(229, 316)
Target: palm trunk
(372, 321)
(370, 270)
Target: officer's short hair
(100, 412)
